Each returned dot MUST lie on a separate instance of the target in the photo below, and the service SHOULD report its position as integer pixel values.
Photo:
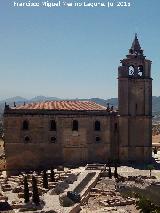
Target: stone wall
(70, 147)
(135, 138)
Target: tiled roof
(62, 105)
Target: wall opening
(25, 125)
(26, 139)
(140, 70)
(115, 127)
(53, 139)
(97, 126)
(131, 70)
(53, 126)
(75, 125)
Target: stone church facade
(79, 132)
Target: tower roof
(136, 48)
(135, 44)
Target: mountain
(43, 98)
(17, 99)
(156, 103)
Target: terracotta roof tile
(62, 105)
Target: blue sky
(73, 52)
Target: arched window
(26, 139)
(140, 70)
(115, 127)
(53, 126)
(136, 106)
(25, 125)
(75, 125)
(131, 70)
(97, 126)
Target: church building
(78, 132)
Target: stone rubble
(106, 196)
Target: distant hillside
(111, 101)
(13, 99)
(156, 103)
(43, 98)
(19, 99)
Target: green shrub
(52, 179)
(146, 206)
(35, 195)
(115, 172)
(109, 173)
(26, 190)
(45, 180)
(150, 168)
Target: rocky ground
(105, 198)
(12, 190)
(156, 139)
(155, 129)
(110, 196)
(107, 195)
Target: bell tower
(135, 106)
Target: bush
(35, 195)
(150, 167)
(115, 172)
(26, 190)
(45, 180)
(145, 205)
(109, 173)
(52, 179)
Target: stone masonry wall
(70, 147)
